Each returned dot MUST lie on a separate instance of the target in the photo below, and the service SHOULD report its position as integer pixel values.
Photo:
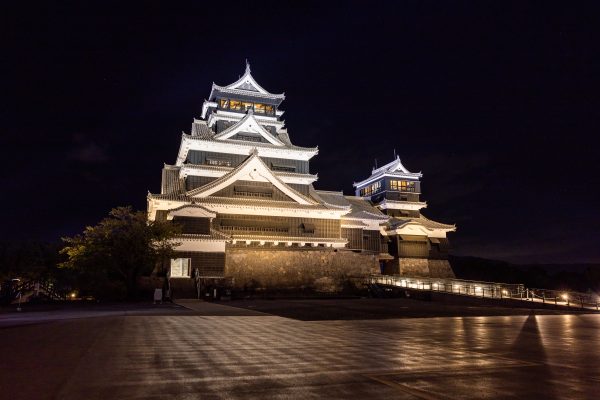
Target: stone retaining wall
(423, 267)
(322, 270)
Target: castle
(243, 195)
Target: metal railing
(493, 290)
(36, 288)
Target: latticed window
(180, 267)
(236, 105)
(252, 191)
(402, 186)
(283, 168)
(248, 138)
(254, 226)
(218, 162)
(372, 188)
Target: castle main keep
(244, 196)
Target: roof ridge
(330, 191)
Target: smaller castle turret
(419, 245)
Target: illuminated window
(235, 105)
(403, 186)
(218, 162)
(369, 190)
(180, 267)
(259, 108)
(269, 110)
(246, 106)
(224, 103)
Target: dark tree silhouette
(112, 255)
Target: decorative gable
(248, 124)
(251, 170)
(394, 166)
(190, 210)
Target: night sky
(497, 104)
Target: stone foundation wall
(440, 269)
(425, 268)
(322, 270)
(414, 267)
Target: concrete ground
(215, 351)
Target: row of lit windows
(402, 186)
(218, 163)
(369, 190)
(236, 105)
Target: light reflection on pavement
(213, 353)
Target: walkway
(490, 290)
(219, 352)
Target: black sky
(495, 102)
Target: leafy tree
(112, 255)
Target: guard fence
(489, 290)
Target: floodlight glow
(565, 296)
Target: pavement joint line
(455, 370)
(349, 372)
(504, 358)
(225, 306)
(427, 395)
(419, 393)
(550, 364)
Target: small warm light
(565, 296)
(73, 295)
(505, 292)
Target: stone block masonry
(440, 269)
(425, 268)
(322, 270)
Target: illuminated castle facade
(244, 197)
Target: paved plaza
(213, 351)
